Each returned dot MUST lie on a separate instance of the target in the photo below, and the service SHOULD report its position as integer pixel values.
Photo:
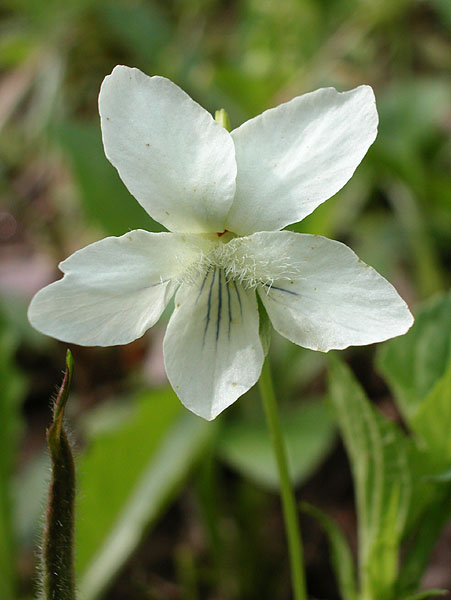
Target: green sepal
(265, 327)
(222, 118)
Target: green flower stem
(290, 513)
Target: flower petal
(335, 301)
(212, 348)
(170, 153)
(294, 157)
(112, 290)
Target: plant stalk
(58, 580)
(290, 513)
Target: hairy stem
(58, 580)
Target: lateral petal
(112, 290)
(335, 300)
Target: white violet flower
(224, 197)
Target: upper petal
(112, 290)
(212, 348)
(294, 157)
(335, 300)
(170, 153)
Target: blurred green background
(142, 459)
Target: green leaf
(378, 453)
(342, 559)
(105, 198)
(422, 537)
(11, 390)
(418, 369)
(30, 488)
(139, 27)
(127, 476)
(427, 594)
(413, 363)
(444, 477)
(422, 103)
(445, 11)
(432, 420)
(308, 433)
(425, 490)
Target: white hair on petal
(240, 265)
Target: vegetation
(170, 506)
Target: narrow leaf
(11, 391)
(342, 559)
(423, 537)
(432, 420)
(378, 454)
(428, 594)
(444, 477)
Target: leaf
(427, 594)
(308, 432)
(379, 460)
(413, 363)
(142, 28)
(342, 559)
(127, 475)
(30, 489)
(444, 9)
(422, 104)
(11, 390)
(417, 367)
(432, 420)
(444, 477)
(105, 198)
(422, 538)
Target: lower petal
(212, 348)
(335, 300)
(112, 290)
